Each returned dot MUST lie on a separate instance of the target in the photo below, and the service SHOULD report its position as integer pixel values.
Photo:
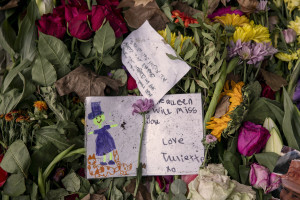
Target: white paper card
(172, 140)
(144, 56)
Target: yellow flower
(232, 20)
(292, 4)
(40, 105)
(218, 125)
(248, 32)
(295, 25)
(83, 121)
(287, 57)
(163, 33)
(298, 40)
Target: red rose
(79, 28)
(267, 92)
(131, 84)
(98, 15)
(3, 174)
(52, 24)
(76, 3)
(71, 197)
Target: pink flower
(275, 182)
(289, 35)
(252, 138)
(188, 178)
(259, 176)
(142, 106)
(164, 182)
(131, 83)
(59, 174)
(224, 11)
(3, 174)
(210, 138)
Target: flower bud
(274, 143)
(289, 35)
(45, 6)
(259, 176)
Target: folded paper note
(172, 141)
(144, 54)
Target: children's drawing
(105, 146)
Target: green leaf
(13, 73)
(193, 87)
(15, 185)
(7, 37)
(71, 182)
(197, 37)
(201, 84)
(231, 162)
(25, 41)
(104, 39)
(23, 197)
(108, 60)
(190, 53)
(268, 159)
(116, 194)
(187, 84)
(34, 191)
(163, 196)
(244, 174)
(85, 185)
(57, 194)
(85, 48)
(43, 72)
(51, 134)
(16, 159)
(178, 187)
(216, 67)
(121, 75)
(172, 57)
(179, 197)
(216, 77)
(54, 50)
(208, 36)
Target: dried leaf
(135, 16)
(223, 2)
(142, 193)
(185, 8)
(273, 80)
(212, 5)
(10, 4)
(248, 6)
(141, 2)
(85, 82)
(222, 107)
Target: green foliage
(268, 159)
(15, 185)
(43, 72)
(104, 39)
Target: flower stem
(205, 157)
(294, 78)
(245, 72)
(259, 65)
(139, 169)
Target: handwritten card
(144, 55)
(172, 139)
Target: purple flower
(252, 138)
(224, 11)
(289, 35)
(210, 138)
(262, 6)
(296, 96)
(142, 106)
(259, 176)
(275, 182)
(59, 174)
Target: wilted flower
(142, 106)
(22, 118)
(252, 138)
(40, 105)
(273, 20)
(209, 138)
(186, 19)
(267, 92)
(9, 117)
(224, 11)
(274, 143)
(275, 182)
(242, 192)
(59, 174)
(248, 6)
(188, 178)
(3, 174)
(289, 35)
(259, 176)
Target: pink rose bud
(289, 35)
(275, 182)
(252, 138)
(210, 138)
(259, 176)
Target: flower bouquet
(245, 61)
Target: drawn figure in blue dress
(105, 143)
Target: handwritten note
(144, 55)
(172, 141)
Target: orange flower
(22, 118)
(186, 19)
(40, 105)
(1, 116)
(9, 117)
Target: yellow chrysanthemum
(232, 20)
(295, 25)
(248, 32)
(163, 33)
(287, 57)
(292, 4)
(40, 105)
(218, 125)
